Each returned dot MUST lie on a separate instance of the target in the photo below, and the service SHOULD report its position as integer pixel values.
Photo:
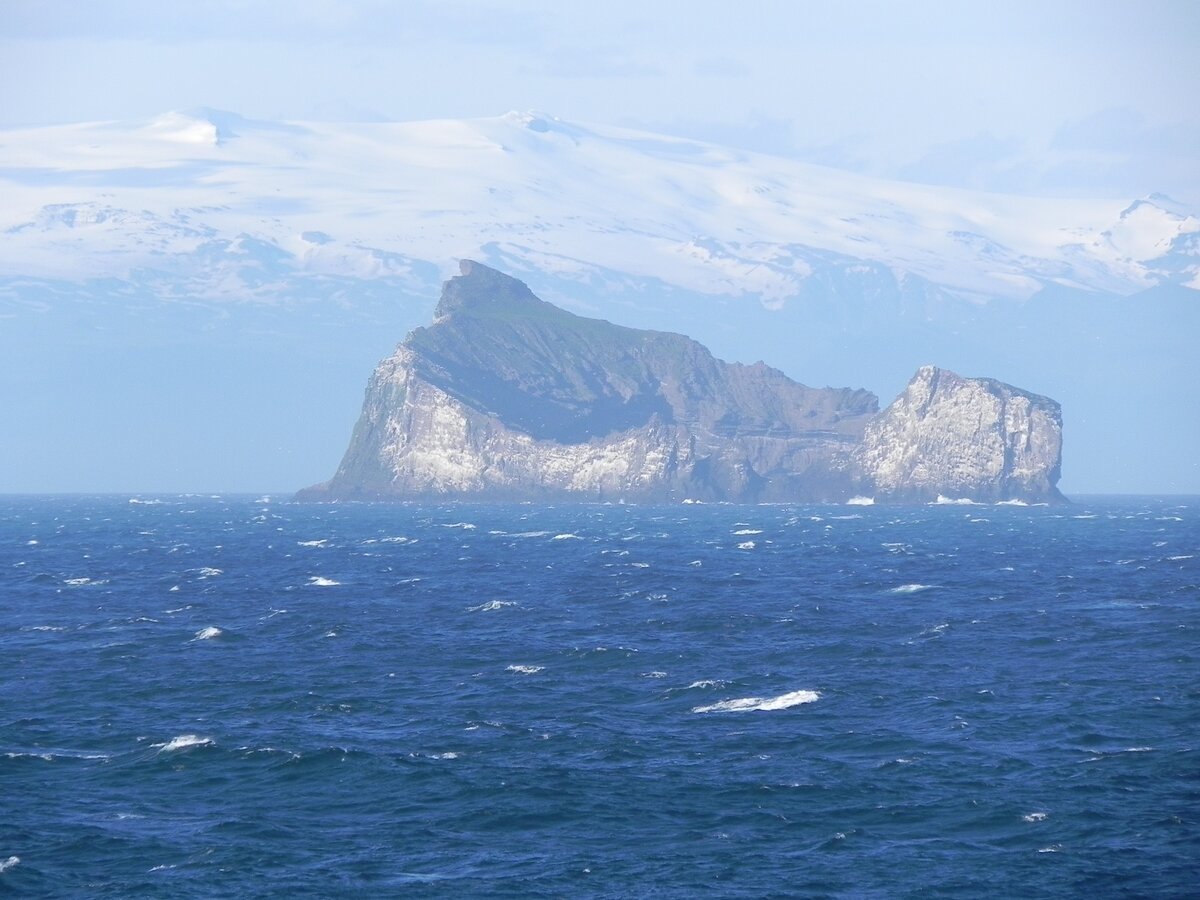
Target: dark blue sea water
(205, 696)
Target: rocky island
(507, 397)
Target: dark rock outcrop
(506, 396)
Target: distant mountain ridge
(147, 197)
(506, 396)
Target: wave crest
(768, 704)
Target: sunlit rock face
(508, 397)
(961, 437)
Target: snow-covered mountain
(262, 269)
(221, 206)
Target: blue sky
(1058, 98)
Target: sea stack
(507, 397)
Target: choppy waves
(597, 700)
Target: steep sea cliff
(505, 396)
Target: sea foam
(767, 704)
(491, 606)
(183, 742)
(318, 581)
(207, 634)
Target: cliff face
(963, 437)
(505, 396)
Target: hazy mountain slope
(178, 193)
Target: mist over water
(241, 696)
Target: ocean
(242, 696)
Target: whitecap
(207, 634)
(696, 562)
(318, 581)
(183, 742)
(465, 525)
(1034, 817)
(1053, 848)
(1178, 558)
(491, 606)
(208, 572)
(9, 863)
(910, 588)
(529, 534)
(943, 500)
(768, 704)
(655, 674)
(77, 581)
(707, 683)
(524, 670)
(566, 537)
(640, 565)
(1013, 502)
(861, 501)
(746, 545)
(321, 543)
(398, 539)
(31, 543)
(748, 531)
